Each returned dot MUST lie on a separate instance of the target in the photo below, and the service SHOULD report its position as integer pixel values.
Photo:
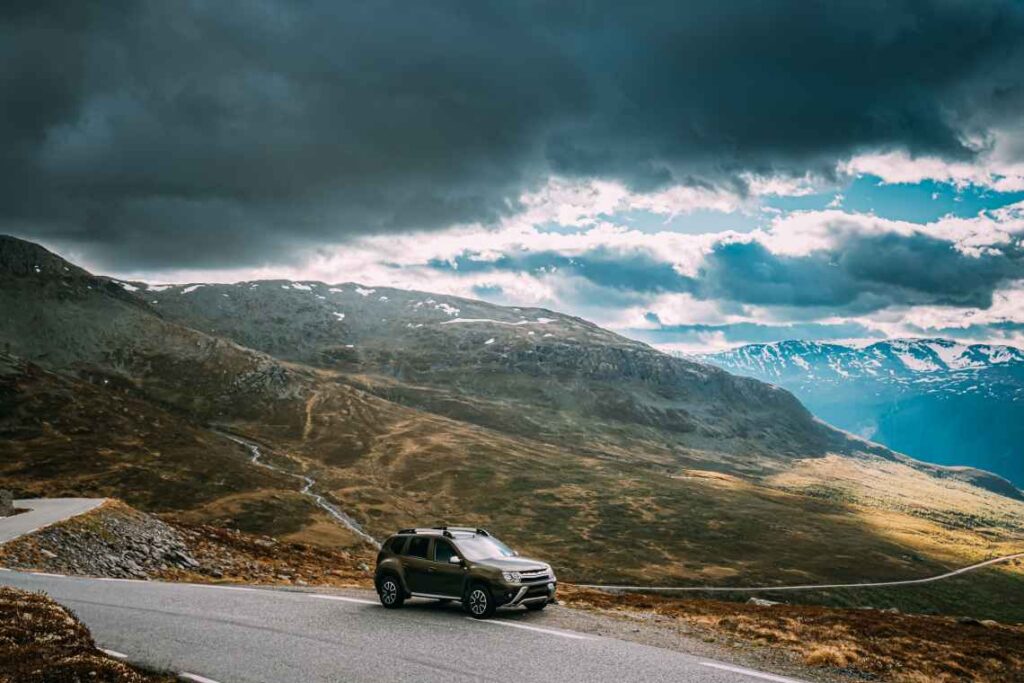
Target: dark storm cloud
(862, 273)
(637, 271)
(213, 134)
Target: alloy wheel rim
(477, 602)
(388, 592)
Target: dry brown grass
(42, 642)
(888, 646)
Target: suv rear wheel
(389, 589)
(479, 602)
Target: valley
(618, 463)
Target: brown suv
(460, 563)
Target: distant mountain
(611, 459)
(934, 399)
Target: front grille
(535, 576)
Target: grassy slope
(686, 526)
(60, 436)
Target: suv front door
(445, 577)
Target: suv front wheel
(389, 589)
(479, 602)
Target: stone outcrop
(6, 503)
(116, 542)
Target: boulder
(761, 602)
(6, 503)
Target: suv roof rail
(446, 530)
(443, 529)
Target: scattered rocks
(118, 541)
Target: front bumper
(526, 594)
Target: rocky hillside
(935, 399)
(263, 406)
(523, 371)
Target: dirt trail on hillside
(308, 483)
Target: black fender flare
(397, 574)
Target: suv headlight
(511, 577)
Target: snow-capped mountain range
(935, 399)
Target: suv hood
(513, 564)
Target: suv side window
(395, 544)
(443, 551)
(418, 547)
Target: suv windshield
(483, 547)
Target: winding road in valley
(805, 587)
(256, 458)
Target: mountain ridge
(936, 399)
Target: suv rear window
(395, 544)
(418, 547)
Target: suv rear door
(416, 564)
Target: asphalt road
(43, 512)
(249, 635)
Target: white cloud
(992, 169)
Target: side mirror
(455, 559)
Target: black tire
(389, 590)
(479, 602)
(536, 606)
